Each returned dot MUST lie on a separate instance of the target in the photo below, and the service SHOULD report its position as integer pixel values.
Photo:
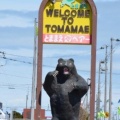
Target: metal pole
(105, 95)
(99, 88)
(98, 96)
(33, 76)
(26, 100)
(110, 84)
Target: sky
(17, 43)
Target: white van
(2, 115)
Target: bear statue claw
(55, 73)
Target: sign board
(67, 22)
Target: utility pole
(110, 84)
(26, 100)
(33, 94)
(105, 92)
(98, 96)
(105, 89)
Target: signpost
(67, 22)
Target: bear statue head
(66, 67)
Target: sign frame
(39, 61)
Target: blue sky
(17, 38)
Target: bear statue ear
(60, 59)
(71, 59)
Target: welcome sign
(67, 22)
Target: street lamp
(110, 85)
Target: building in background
(27, 113)
(0, 105)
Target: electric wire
(16, 55)
(15, 75)
(6, 58)
(25, 62)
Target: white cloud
(21, 5)
(15, 21)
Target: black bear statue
(65, 87)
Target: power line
(9, 86)
(15, 55)
(16, 60)
(15, 84)
(51, 67)
(45, 57)
(114, 48)
(15, 75)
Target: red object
(27, 114)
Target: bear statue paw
(55, 73)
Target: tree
(17, 114)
